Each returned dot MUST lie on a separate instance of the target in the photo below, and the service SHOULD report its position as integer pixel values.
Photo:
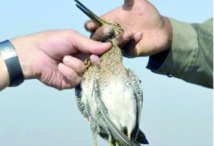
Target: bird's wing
(117, 134)
(137, 89)
(80, 104)
(141, 138)
(138, 94)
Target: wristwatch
(8, 53)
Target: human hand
(56, 57)
(135, 16)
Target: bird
(110, 96)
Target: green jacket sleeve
(191, 55)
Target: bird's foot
(110, 141)
(129, 136)
(95, 142)
(95, 138)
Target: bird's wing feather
(80, 104)
(113, 129)
(138, 90)
(141, 138)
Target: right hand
(56, 58)
(135, 16)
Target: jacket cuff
(181, 58)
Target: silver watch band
(9, 55)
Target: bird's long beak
(90, 14)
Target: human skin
(138, 16)
(56, 58)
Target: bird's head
(115, 28)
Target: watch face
(7, 50)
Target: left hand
(138, 16)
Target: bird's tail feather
(141, 138)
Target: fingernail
(108, 44)
(60, 65)
(95, 60)
(89, 25)
(127, 35)
(106, 30)
(102, 48)
(129, 2)
(138, 35)
(66, 59)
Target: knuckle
(130, 34)
(70, 33)
(67, 31)
(71, 74)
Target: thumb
(128, 2)
(86, 45)
(102, 33)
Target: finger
(128, 2)
(138, 36)
(124, 38)
(86, 45)
(102, 33)
(90, 26)
(129, 49)
(74, 63)
(95, 59)
(70, 74)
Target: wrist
(23, 51)
(169, 32)
(4, 77)
(9, 56)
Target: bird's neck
(114, 55)
(112, 60)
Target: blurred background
(175, 113)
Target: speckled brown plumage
(110, 96)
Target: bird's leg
(117, 143)
(93, 128)
(87, 62)
(129, 136)
(95, 138)
(110, 140)
(95, 142)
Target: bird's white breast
(120, 101)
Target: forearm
(190, 57)
(4, 76)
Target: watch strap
(9, 55)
